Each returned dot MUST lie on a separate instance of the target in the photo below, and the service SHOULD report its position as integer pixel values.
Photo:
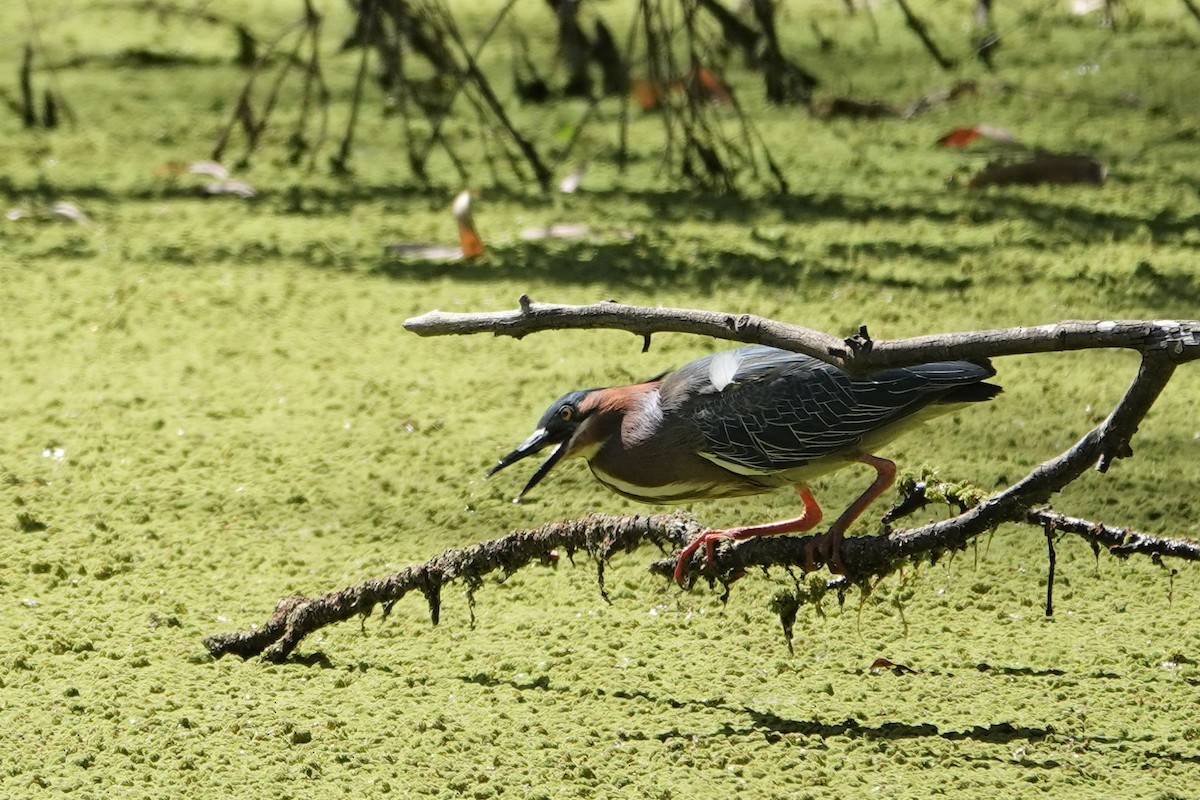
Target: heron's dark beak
(540, 440)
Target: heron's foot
(709, 539)
(825, 549)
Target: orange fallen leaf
(961, 137)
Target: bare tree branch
(1121, 542)
(1178, 340)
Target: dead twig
(915, 24)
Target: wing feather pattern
(783, 410)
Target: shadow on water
(653, 259)
(775, 728)
(629, 264)
(649, 265)
(1063, 211)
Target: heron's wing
(775, 410)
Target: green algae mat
(209, 403)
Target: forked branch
(1177, 340)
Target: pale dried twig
(1177, 340)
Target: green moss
(210, 404)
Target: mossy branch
(603, 536)
(598, 535)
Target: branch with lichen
(598, 535)
(1162, 343)
(602, 536)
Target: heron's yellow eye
(566, 413)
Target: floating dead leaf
(210, 168)
(571, 230)
(880, 664)
(69, 211)
(1042, 168)
(233, 186)
(59, 211)
(961, 137)
(562, 230)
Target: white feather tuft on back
(722, 368)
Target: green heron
(746, 421)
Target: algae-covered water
(210, 403)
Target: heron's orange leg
(828, 546)
(808, 519)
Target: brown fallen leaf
(68, 211)
(171, 169)
(570, 230)
(233, 186)
(880, 664)
(1053, 168)
(645, 94)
